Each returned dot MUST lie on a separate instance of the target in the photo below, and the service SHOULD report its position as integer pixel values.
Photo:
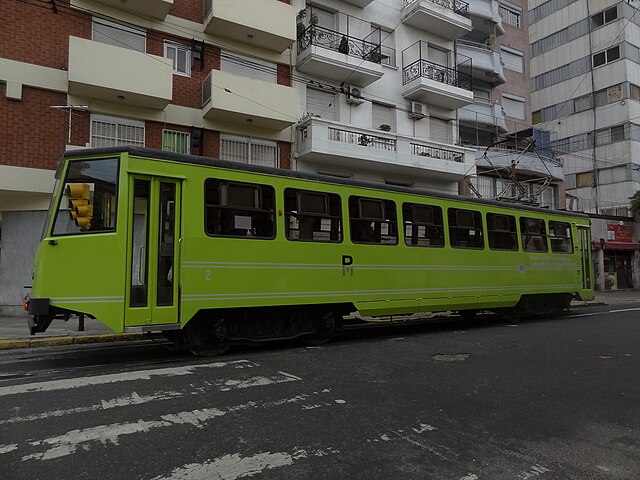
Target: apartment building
(498, 123)
(585, 69)
(379, 89)
(192, 76)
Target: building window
(119, 35)
(582, 103)
(513, 106)
(605, 16)
(177, 142)
(180, 55)
(536, 117)
(249, 67)
(383, 116)
(510, 15)
(112, 132)
(321, 104)
(606, 56)
(384, 37)
(585, 179)
(249, 150)
(634, 92)
(512, 59)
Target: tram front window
(89, 198)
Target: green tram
(217, 253)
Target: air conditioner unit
(354, 96)
(418, 110)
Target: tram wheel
(206, 337)
(326, 325)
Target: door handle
(52, 242)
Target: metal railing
(207, 89)
(435, 152)
(457, 6)
(340, 42)
(432, 71)
(362, 139)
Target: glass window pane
(89, 200)
(140, 244)
(166, 248)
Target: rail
(432, 71)
(207, 89)
(435, 152)
(457, 6)
(342, 43)
(362, 139)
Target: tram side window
(534, 235)
(465, 228)
(373, 220)
(560, 236)
(423, 225)
(502, 233)
(312, 216)
(238, 209)
(88, 203)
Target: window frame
(268, 213)
(563, 239)
(356, 218)
(288, 214)
(117, 122)
(490, 219)
(526, 235)
(455, 227)
(408, 207)
(175, 134)
(178, 47)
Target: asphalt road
(545, 399)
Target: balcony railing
(206, 89)
(439, 153)
(362, 139)
(458, 6)
(432, 71)
(342, 43)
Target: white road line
(69, 383)
(234, 466)
(625, 310)
(86, 438)
(583, 315)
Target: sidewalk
(14, 332)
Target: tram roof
(229, 165)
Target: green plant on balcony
(385, 128)
(375, 57)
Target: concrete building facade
(585, 68)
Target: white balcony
(487, 63)
(485, 116)
(334, 56)
(485, 16)
(527, 163)
(359, 3)
(119, 75)
(234, 98)
(444, 18)
(434, 84)
(148, 8)
(266, 24)
(326, 143)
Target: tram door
(152, 253)
(585, 260)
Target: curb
(69, 340)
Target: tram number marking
(207, 275)
(347, 262)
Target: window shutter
(248, 67)
(321, 103)
(513, 107)
(382, 115)
(440, 130)
(512, 60)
